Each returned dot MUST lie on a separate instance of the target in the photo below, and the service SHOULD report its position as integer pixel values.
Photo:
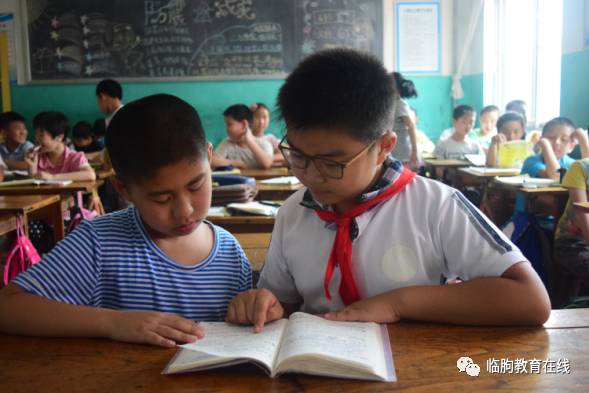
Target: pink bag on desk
(21, 255)
(78, 214)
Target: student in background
(457, 145)
(510, 127)
(260, 123)
(99, 130)
(424, 144)
(571, 244)
(559, 137)
(84, 139)
(109, 94)
(105, 279)
(520, 106)
(406, 149)
(53, 160)
(367, 240)
(15, 146)
(448, 132)
(488, 119)
(241, 148)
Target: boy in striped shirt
(149, 272)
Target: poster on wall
(7, 25)
(418, 37)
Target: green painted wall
(574, 88)
(472, 86)
(78, 101)
(433, 104)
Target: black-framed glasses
(326, 167)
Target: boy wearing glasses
(368, 240)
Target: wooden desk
(7, 223)
(261, 174)
(276, 192)
(434, 165)
(255, 246)
(244, 224)
(438, 163)
(582, 206)
(45, 207)
(425, 357)
(72, 188)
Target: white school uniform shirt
(427, 232)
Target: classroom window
(523, 48)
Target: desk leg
(56, 217)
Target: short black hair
(489, 108)
(153, 132)
(262, 105)
(110, 87)
(515, 105)
(55, 123)
(405, 87)
(339, 88)
(82, 129)
(509, 117)
(99, 128)
(10, 117)
(239, 112)
(557, 121)
(462, 110)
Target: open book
(526, 181)
(255, 208)
(302, 344)
(34, 182)
(512, 154)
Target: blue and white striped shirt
(112, 262)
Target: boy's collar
(390, 172)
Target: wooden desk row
(424, 355)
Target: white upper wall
(446, 18)
(463, 13)
(576, 22)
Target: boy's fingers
(262, 304)
(175, 335)
(156, 339)
(231, 312)
(275, 312)
(185, 325)
(346, 314)
(241, 312)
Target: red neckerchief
(341, 253)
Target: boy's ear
(119, 186)
(386, 145)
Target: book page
(345, 342)
(512, 154)
(232, 341)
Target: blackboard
(71, 39)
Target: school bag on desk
(21, 255)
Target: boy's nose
(183, 207)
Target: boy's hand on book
(256, 306)
(375, 309)
(151, 327)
